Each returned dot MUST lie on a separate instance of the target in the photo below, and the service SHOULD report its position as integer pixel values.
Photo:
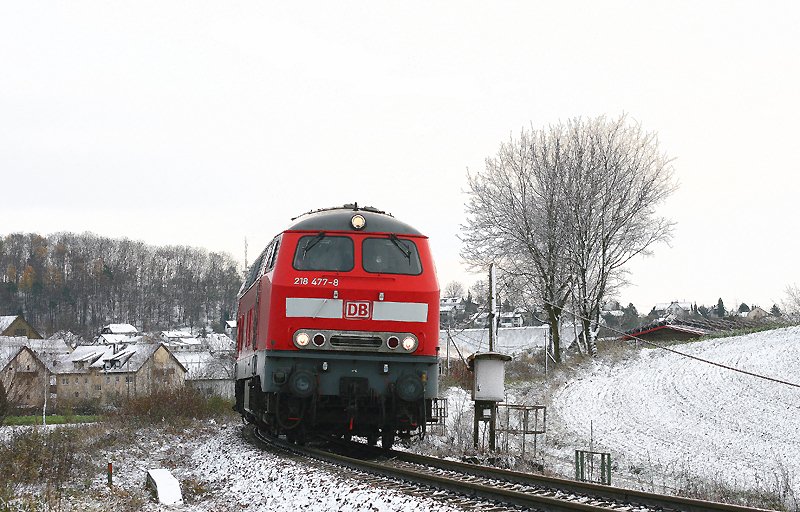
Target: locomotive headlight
(358, 221)
(301, 339)
(409, 343)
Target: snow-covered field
(681, 419)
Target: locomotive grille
(357, 341)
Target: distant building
(103, 375)
(757, 314)
(674, 309)
(15, 325)
(118, 334)
(681, 329)
(450, 310)
(230, 329)
(180, 340)
(209, 373)
(26, 368)
(511, 319)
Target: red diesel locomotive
(338, 329)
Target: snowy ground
(670, 421)
(220, 471)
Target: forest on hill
(80, 282)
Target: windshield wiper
(396, 241)
(311, 243)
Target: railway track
(504, 489)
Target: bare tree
(791, 303)
(514, 219)
(454, 289)
(561, 211)
(616, 178)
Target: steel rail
(620, 494)
(484, 491)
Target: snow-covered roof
(176, 334)
(451, 300)
(6, 321)
(663, 306)
(509, 340)
(116, 339)
(103, 357)
(180, 339)
(118, 329)
(202, 365)
(219, 343)
(48, 351)
(231, 324)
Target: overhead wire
(696, 358)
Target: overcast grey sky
(204, 123)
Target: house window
(108, 378)
(128, 379)
(65, 380)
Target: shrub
(172, 405)
(49, 458)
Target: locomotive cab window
(391, 255)
(322, 252)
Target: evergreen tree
(720, 310)
(703, 311)
(744, 308)
(630, 318)
(775, 311)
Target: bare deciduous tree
(561, 211)
(514, 220)
(453, 289)
(616, 177)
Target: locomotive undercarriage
(367, 415)
(299, 400)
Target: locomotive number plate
(357, 309)
(316, 281)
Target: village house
(672, 309)
(15, 325)
(103, 376)
(180, 340)
(26, 369)
(209, 373)
(451, 309)
(118, 334)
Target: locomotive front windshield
(391, 256)
(321, 252)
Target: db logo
(356, 309)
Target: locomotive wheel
(296, 436)
(387, 439)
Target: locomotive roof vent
(348, 206)
(351, 217)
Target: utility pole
(492, 308)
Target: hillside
(671, 422)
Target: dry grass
(173, 406)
